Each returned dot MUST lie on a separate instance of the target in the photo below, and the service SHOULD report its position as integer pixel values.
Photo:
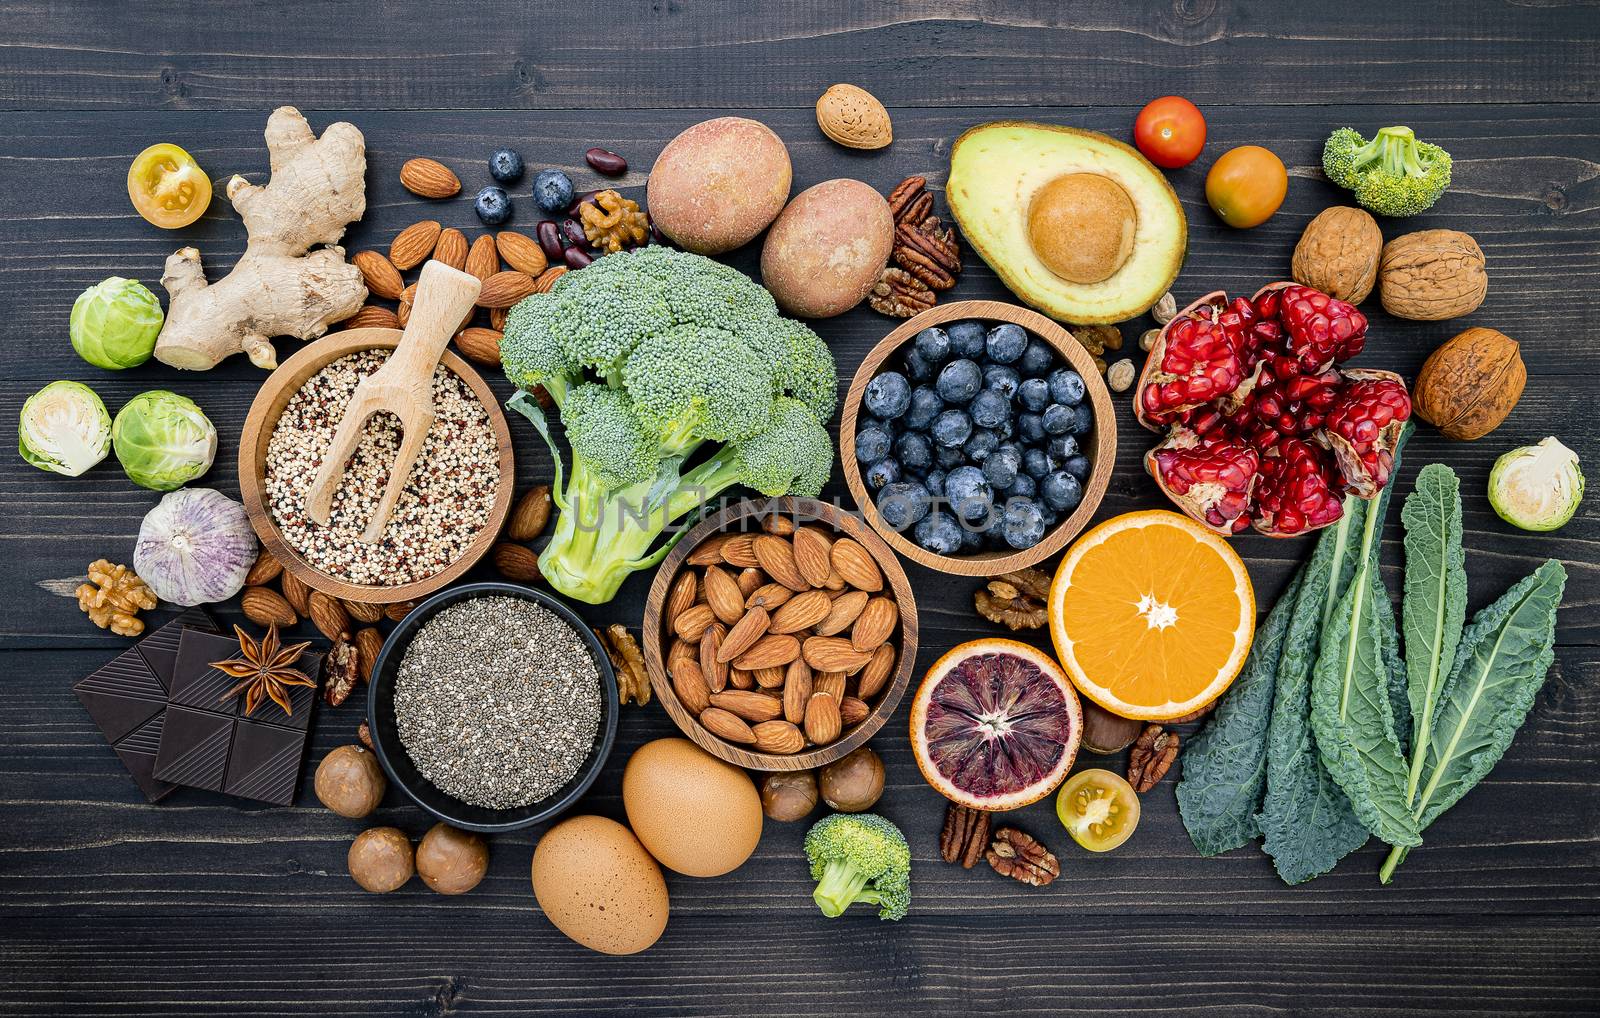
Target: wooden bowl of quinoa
(450, 512)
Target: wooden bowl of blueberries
(978, 438)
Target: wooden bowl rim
(278, 389)
(803, 509)
(986, 563)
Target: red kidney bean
(577, 257)
(549, 239)
(573, 231)
(656, 236)
(607, 162)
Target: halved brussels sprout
(65, 428)
(114, 323)
(163, 440)
(1536, 487)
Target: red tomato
(1170, 131)
(1246, 185)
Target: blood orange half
(995, 725)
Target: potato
(380, 859)
(718, 184)
(450, 860)
(827, 248)
(350, 782)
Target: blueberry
(1034, 394)
(917, 367)
(1060, 491)
(1037, 359)
(1062, 448)
(948, 457)
(925, 406)
(980, 445)
(1002, 379)
(934, 482)
(1035, 463)
(1057, 419)
(552, 191)
(1000, 469)
(1005, 343)
(939, 533)
(990, 409)
(1023, 526)
(888, 395)
(506, 166)
(1051, 517)
(885, 471)
(1082, 419)
(872, 444)
(969, 493)
(903, 503)
(1023, 487)
(1006, 428)
(493, 206)
(1077, 466)
(933, 344)
(967, 339)
(1030, 428)
(951, 428)
(971, 540)
(1066, 386)
(914, 451)
(959, 381)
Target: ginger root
(318, 187)
(114, 597)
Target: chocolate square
(195, 683)
(265, 762)
(160, 648)
(194, 748)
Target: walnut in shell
(1432, 275)
(1338, 253)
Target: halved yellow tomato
(168, 187)
(1098, 808)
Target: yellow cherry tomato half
(168, 187)
(1098, 808)
(1246, 186)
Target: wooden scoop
(404, 387)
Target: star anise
(264, 666)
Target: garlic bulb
(195, 547)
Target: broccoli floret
(693, 383)
(859, 857)
(804, 367)
(603, 430)
(1394, 174)
(531, 351)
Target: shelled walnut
(114, 597)
(1015, 599)
(613, 222)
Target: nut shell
(854, 118)
(450, 860)
(381, 859)
(1470, 383)
(350, 782)
(1338, 253)
(1432, 275)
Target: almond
(429, 178)
(833, 654)
(750, 580)
(451, 249)
(778, 737)
(681, 650)
(483, 260)
(504, 289)
(823, 723)
(770, 678)
(796, 690)
(726, 725)
(811, 547)
(876, 674)
(521, 252)
(369, 642)
(371, 316)
(382, 278)
(530, 515)
(768, 596)
(515, 562)
(412, 246)
(768, 652)
(739, 678)
(364, 612)
(853, 711)
(265, 569)
(751, 706)
(692, 622)
(479, 345)
(395, 612)
(402, 310)
(835, 582)
(690, 686)
(843, 613)
(801, 612)
(722, 594)
(296, 592)
(266, 607)
(548, 278)
(497, 322)
(739, 550)
(715, 672)
(683, 594)
(855, 565)
(778, 524)
(328, 615)
(873, 626)
(776, 556)
(709, 551)
(832, 683)
(751, 627)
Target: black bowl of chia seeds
(493, 706)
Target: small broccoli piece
(531, 350)
(1394, 174)
(859, 857)
(603, 430)
(804, 366)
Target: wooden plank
(718, 54)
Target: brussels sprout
(64, 428)
(1536, 487)
(163, 440)
(114, 323)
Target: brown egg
(695, 814)
(1081, 225)
(599, 886)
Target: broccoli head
(859, 857)
(1394, 174)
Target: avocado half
(1083, 254)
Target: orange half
(1152, 615)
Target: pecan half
(1151, 756)
(965, 835)
(341, 671)
(1018, 855)
(928, 250)
(899, 294)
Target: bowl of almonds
(780, 635)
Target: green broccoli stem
(1395, 150)
(842, 885)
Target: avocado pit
(1081, 225)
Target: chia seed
(497, 702)
(444, 503)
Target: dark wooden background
(211, 905)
